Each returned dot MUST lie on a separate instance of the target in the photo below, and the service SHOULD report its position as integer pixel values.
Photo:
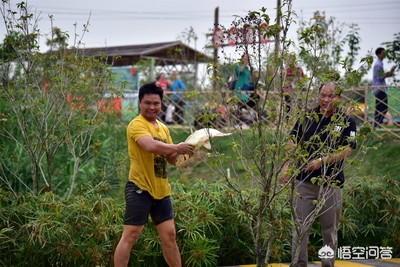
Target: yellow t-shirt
(148, 170)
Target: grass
(381, 158)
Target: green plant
(49, 107)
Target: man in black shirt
(324, 138)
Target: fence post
(366, 103)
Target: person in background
(293, 73)
(326, 151)
(243, 84)
(164, 84)
(243, 75)
(178, 87)
(148, 191)
(380, 89)
(162, 81)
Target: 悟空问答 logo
(326, 252)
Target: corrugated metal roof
(172, 52)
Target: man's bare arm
(329, 159)
(148, 144)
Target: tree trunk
(260, 257)
(295, 253)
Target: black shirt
(318, 136)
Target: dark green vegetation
(83, 231)
(382, 159)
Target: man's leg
(329, 219)
(137, 209)
(306, 193)
(389, 119)
(181, 111)
(166, 231)
(380, 107)
(129, 237)
(163, 217)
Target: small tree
(50, 105)
(353, 40)
(261, 152)
(392, 49)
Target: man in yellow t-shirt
(148, 191)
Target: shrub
(47, 230)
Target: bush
(372, 213)
(84, 230)
(46, 230)
(370, 216)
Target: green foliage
(321, 50)
(212, 226)
(320, 43)
(392, 49)
(382, 156)
(146, 68)
(353, 40)
(16, 43)
(257, 154)
(48, 108)
(46, 230)
(372, 212)
(58, 40)
(48, 113)
(212, 223)
(84, 230)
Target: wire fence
(365, 101)
(223, 109)
(239, 108)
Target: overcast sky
(123, 22)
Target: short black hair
(379, 50)
(150, 89)
(338, 91)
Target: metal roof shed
(165, 53)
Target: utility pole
(215, 62)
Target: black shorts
(139, 204)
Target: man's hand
(284, 179)
(184, 148)
(171, 158)
(392, 70)
(181, 149)
(284, 176)
(314, 165)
